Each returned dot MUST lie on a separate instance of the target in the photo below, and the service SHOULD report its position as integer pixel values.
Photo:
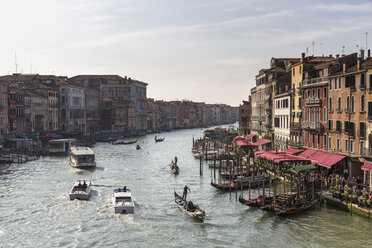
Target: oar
(165, 166)
(167, 203)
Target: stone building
(16, 110)
(245, 112)
(3, 110)
(72, 108)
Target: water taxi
(82, 157)
(81, 190)
(123, 201)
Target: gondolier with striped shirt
(185, 189)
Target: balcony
(367, 152)
(318, 81)
(313, 101)
(312, 125)
(295, 125)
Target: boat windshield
(57, 145)
(119, 199)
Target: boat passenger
(79, 185)
(119, 190)
(125, 189)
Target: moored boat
(159, 139)
(258, 202)
(188, 208)
(82, 157)
(124, 142)
(123, 201)
(295, 209)
(242, 182)
(81, 190)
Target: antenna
(343, 50)
(307, 51)
(313, 44)
(15, 61)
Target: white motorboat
(82, 157)
(81, 190)
(123, 201)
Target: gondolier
(185, 189)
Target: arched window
(319, 113)
(313, 117)
(308, 115)
(339, 104)
(352, 103)
(330, 103)
(348, 103)
(362, 103)
(325, 114)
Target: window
(330, 104)
(325, 141)
(325, 114)
(339, 83)
(352, 146)
(352, 104)
(313, 116)
(338, 144)
(318, 93)
(329, 143)
(294, 69)
(346, 145)
(362, 80)
(362, 104)
(319, 112)
(348, 103)
(318, 140)
(313, 140)
(330, 84)
(362, 129)
(339, 104)
(370, 81)
(325, 93)
(338, 126)
(369, 108)
(303, 94)
(330, 124)
(361, 148)
(335, 83)
(308, 114)
(313, 93)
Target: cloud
(344, 7)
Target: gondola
(174, 168)
(193, 211)
(242, 182)
(256, 202)
(298, 208)
(159, 139)
(124, 142)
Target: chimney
(369, 53)
(303, 55)
(337, 55)
(344, 67)
(330, 55)
(362, 54)
(358, 63)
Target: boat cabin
(82, 157)
(60, 146)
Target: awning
(241, 143)
(292, 151)
(367, 167)
(323, 159)
(278, 157)
(307, 153)
(259, 143)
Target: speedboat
(81, 190)
(123, 201)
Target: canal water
(35, 210)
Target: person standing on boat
(175, 160)
(185, 189)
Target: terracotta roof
(367, 63)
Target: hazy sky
(198, 50)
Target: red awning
(367, 167)
(259, 143)
(292, 151)
(241, 143)
(307, 153)
(278, 157)
(323, 159)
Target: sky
(199, 50)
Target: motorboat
(81, 190)
(82, 157)
(123, 201)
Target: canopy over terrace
(323, 159)
(292, 151)
(279, 157)
(244, 143)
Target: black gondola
(188, 207)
